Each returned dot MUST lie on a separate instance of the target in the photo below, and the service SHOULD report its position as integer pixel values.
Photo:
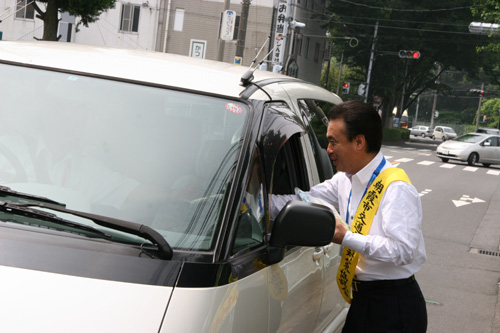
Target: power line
(406, 10)
(402, 28)
(406, 21)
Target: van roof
(146, 66)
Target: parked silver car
(488, 130)
(443, 133)
(423, 131)
(471, 148)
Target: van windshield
(149, 155)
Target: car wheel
(445, 159)
(487, 164)
(443, 138)
(433, 137)
(473, 158)
(423, 135)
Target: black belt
(379, 284)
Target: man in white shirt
(385, 295)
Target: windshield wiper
(141, 230)
(16, 209)
(6, 192)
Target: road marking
(426, 162)
(424, 192)
(466, 200)
(404, 160)
(409, 148)
(471, 169)
(388, 157)
(448, 166)
(493, 172)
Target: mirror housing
(300, 224)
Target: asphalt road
(461, 225)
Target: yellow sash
(361, 225)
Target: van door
(301, 271)
(332, 302)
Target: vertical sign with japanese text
(228, 25)
(280, 32)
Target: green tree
(491, 109)
(88, 11)
(438, 29)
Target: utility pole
(222, 43)
(481, 92)
(416, 112)
(372, 57)
(435, 99)
(242, 30)
(340, 73)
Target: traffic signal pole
(404, 89)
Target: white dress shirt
(394, 247)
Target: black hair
(360, 118)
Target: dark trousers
(395, 309)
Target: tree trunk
(51, 21)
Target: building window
(297, 46)
(316, 52)
(308, 41)
(23, 11)
(179, 19)
(130, 18)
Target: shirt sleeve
(397, 237)
(326, 191)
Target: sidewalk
(488, 238)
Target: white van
(135, 195)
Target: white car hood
(34, 301)
(455, 145)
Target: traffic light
(484, 118)
(345, 87)
(409, 54)
(479, 91)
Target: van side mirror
(300, 224)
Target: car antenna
(247, 77)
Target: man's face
(340, 149)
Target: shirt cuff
(354, 241)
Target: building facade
(192, 27)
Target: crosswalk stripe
(426, 162)
(471, 169)
(493, 172)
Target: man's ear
(360, 142)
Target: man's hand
(340, 230)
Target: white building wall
(106, 31)
(13, 28)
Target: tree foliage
(438, 29)
(87, 11)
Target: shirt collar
(363, 176)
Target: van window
(251, 221)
